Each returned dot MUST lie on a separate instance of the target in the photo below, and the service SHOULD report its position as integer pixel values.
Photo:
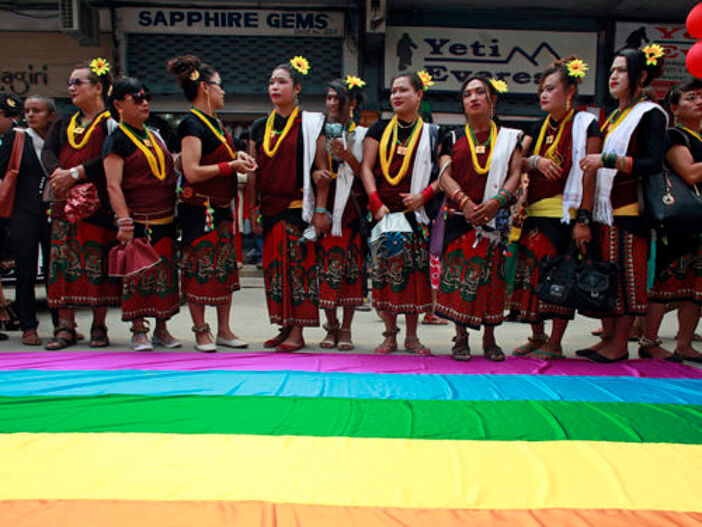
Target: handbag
(363, 226)
(8, 187)
(82, 201)
(672, 204)
(596, 285)
(557, 279)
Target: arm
(6, 150)
(252, 195)
(320, 218)
(52, 147)
(681, 161)
(581, 230)
(370, 154)
(338, 151)
(453, 190)
(487, 210)
(114, 167)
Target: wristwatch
(74, 173)
(583, 217)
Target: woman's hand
(381, 212)
(468, 210)
(61, 182)
(244, 163)
(125, 237)
(338, 151)
(591, 163)
(321, 175)
(549, 168)
(582, 236)
(320, 220)
(483, 213)
(412, 201)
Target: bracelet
(609, 160)
(464, 202)
(125, 221)
(374, 202)
(75, 173)
(428, 194)
(533, 162)
(321, 210)
(126, 228)
(225, 169)
(583, 216)
(453, 196)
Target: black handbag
(596, 285)
(557, 279)
(672, 204)
(363, 226)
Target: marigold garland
(473, 155)
(158, 166)
(270, 152)
(216, 132)
(74, 129)
(386, 160)
(551, 149)
(609, 126)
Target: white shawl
(37, 143)
(507, 139)
(421, 171)
(617, 143)
(573, 192)
(312, 123)
(345, 177)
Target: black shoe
(584, 352)
(3, 336)
(673, 357)
(596, 357)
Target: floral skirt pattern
(340, 264)
(681, 280)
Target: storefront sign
(451, 55)
(231, 22)
(673, 37)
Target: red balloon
(694, 21)
(694, 59)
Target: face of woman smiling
(81, 89)
(476, 100)
(404, 98)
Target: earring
(567, 105)
(119, 111)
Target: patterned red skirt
(681, 279)
(400, 275)
(472, 288)
(210, 273)
(534, 249)
(290, 275)
(340, 264)
(154, 292)
(630, 252)
(78, 266)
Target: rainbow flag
(338, 440)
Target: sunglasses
(78, 82)
(215, 83)
(138, 98)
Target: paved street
(250, 322)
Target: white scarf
(507, 139)
(312, 123)
(617, 143)
(573, 191)
(421, 171)
(37, 143)
(345, 177)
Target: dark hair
(50, 103)
(414, 79)
(485, 80)
(676, 91)
(561, 66)
(295, 75)
(122, 87)
(636, 65)
(185, 66)
(105, 79)
(11, 104)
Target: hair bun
(182, 67)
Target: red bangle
(453, 196)
(428, 194)
(374, 202)
(225, 169)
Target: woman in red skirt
(556, 188)
(340, 256)
(679, 256)
(485, 167)
(81, 240)
(285, 204)
(141, 182)
(210, 166)
(398, 155)
(634, 148)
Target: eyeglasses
(78, 82)
(215, 83)
(139, 98)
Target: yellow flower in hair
(577, 68)
(499, 85)
(426, 79)
(10, 102)
(300, 64)
(653, 52)
(195, 75)
(99, 66)
(354, 82)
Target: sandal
(272, 343)
(98, 337)
(413, 345)
(433, 320)
(646, 344)
(345, 343)
(57, 342)
(493, 353)
(460, 350)
(332, 337)
(30, 337)
(388, 347)
(208, 347)
(531, 345)
(141, 344)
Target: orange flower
(653, 52)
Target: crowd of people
(435, 212)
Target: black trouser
(29, 231)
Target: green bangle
(320, 210)
(609, 160)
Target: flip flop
(544, 355)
